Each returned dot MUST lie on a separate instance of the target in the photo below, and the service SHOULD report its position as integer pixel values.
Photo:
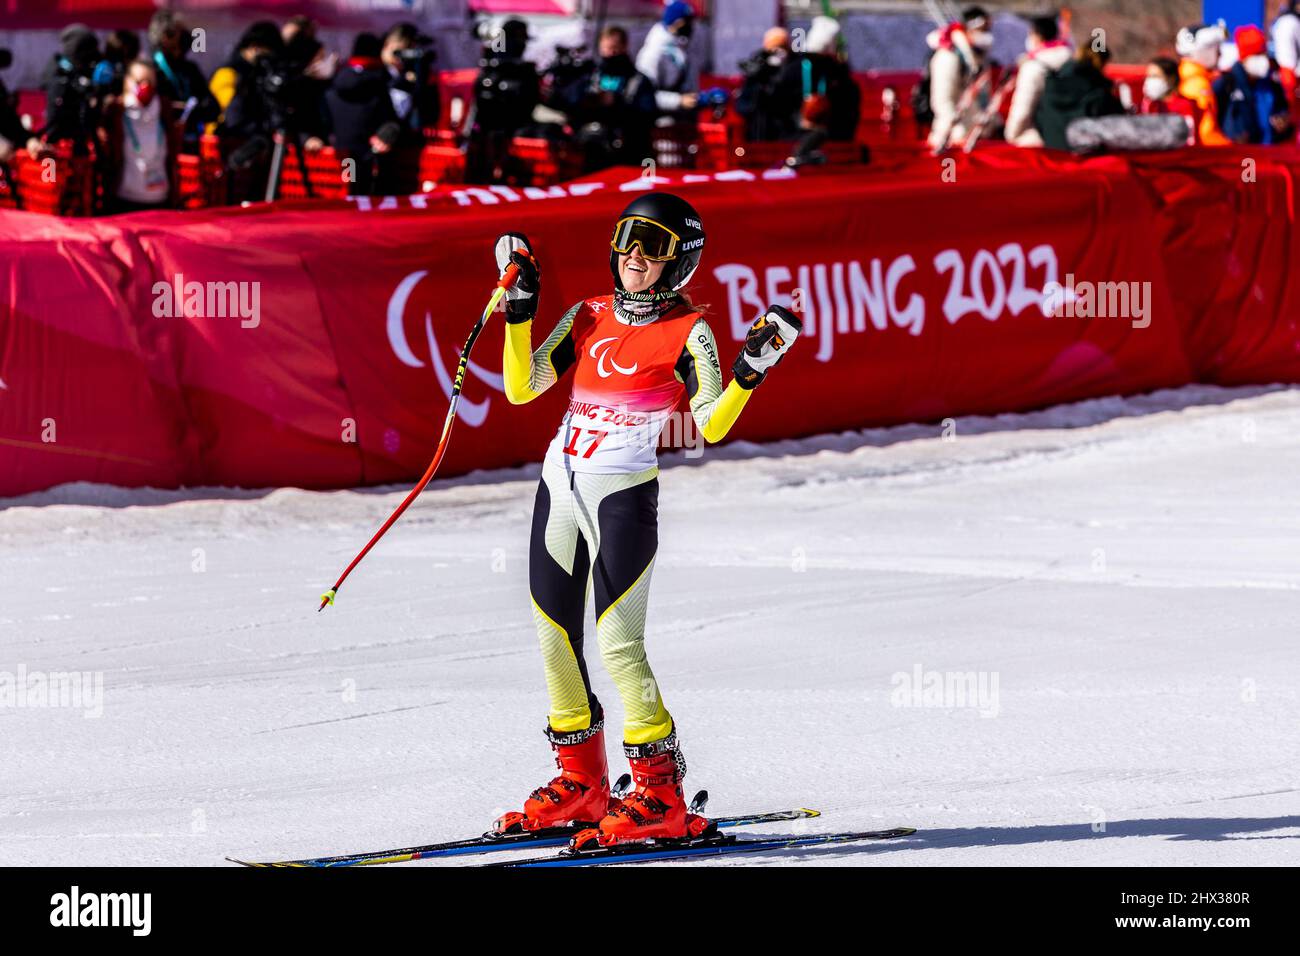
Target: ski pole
(504, 283)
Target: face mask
(981, 41)
(1154, 88)
(1207, 57)
(144, 93)
(1257, 66)
(1030, 45)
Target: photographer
(240, 85)
(832, 101)
(181, 82)
(813, 96)
(72, 105)
(506, 92)
(609, 104)
(361, 112)
(409, 58)
(310, 67)
(769, 97)
(248, 89)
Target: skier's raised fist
(768, 341)
(521, 295)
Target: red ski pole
(505, 282)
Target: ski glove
(768, 341)
(521, 296)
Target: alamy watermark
(1099, 300)
(208, 300)
(591, 426)
(133, 911)
(80, 690)
(946, 689)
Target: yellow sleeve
(223, 85)
(725, 412)
(527, 373)
(715, 409)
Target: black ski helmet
(679, 217)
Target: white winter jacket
(1031, 80)
(950, 73)
(1286, 41)
(667, 62)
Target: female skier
(634, 354)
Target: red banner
(310, 346)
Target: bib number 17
(575, 434)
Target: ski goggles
(658, 243)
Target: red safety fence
(314, 345)
(57, 184)
(716, 143)
(201, 176)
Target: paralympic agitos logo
(604, 356)
(470, 412)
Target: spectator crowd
(132, 108)
(1210, 92)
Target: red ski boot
(656, 809)
(579, 795)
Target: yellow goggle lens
(658, 243)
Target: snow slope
(1122, 575)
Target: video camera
(277, 83)
(571, 61)
(418, 59)
(764, 61)
(500, 82)
(567, 80)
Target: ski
(719, 845)
(492, 844)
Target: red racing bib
(625, 388)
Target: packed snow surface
(1067, 637)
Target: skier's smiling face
(636, 272)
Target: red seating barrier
(886, 119)
(717, 144)
(60, 184)
(547, 162)
(324, 172)
(722, 145)
(676, 147)
(441, 164)
(200, 176)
